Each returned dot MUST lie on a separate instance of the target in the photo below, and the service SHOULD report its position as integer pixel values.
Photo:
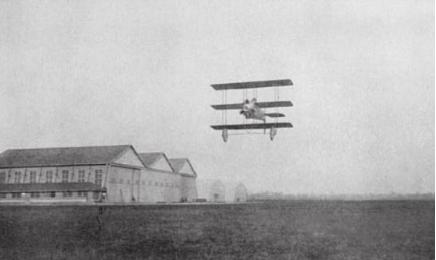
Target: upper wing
(252, 126)
(228, 106)
(275, 104)
(259, 104)
(253, 84)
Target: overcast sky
(76, 73)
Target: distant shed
(241, 193)
(217, 192)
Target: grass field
(275, 230)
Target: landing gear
(272, 133)
(225, 135)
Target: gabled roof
(179, 163)
(148, 159)
(87, 155)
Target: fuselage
(252, 111)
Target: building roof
(47, 187)
(148, 159)
(88, 155)
(179, 163)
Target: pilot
(249, 107)
(245, 108)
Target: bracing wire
(276, 98)
(223, 111)
(225, 102)
(244, 97)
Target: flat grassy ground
(274, 230)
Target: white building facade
(86, 174)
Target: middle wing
(260, 104)
(252, 126)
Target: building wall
(58, 175)
(188, 188)
(42, 173)
(159, 186)
(45, 197)
(123, 184)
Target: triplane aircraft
(252, 109)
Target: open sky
(76, 73)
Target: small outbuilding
(217, 192)
(241, 193)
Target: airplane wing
(275, 114)
(252, 126)
(253, 84)
(259, 104)
(275, 104)
(228, 106)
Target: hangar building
(110, 173)
(188, 177)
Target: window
(98, 176)
(17, 177)
(2, 177)
(65, 175)
(34, 194)
(49, 176)
(2, 195)
(96, 195)
(32, 177)
(82, 194)
(16, 195)
(81, 176)
(67, 194)
(52, 194)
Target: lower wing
(252, 126)
(275, 114)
